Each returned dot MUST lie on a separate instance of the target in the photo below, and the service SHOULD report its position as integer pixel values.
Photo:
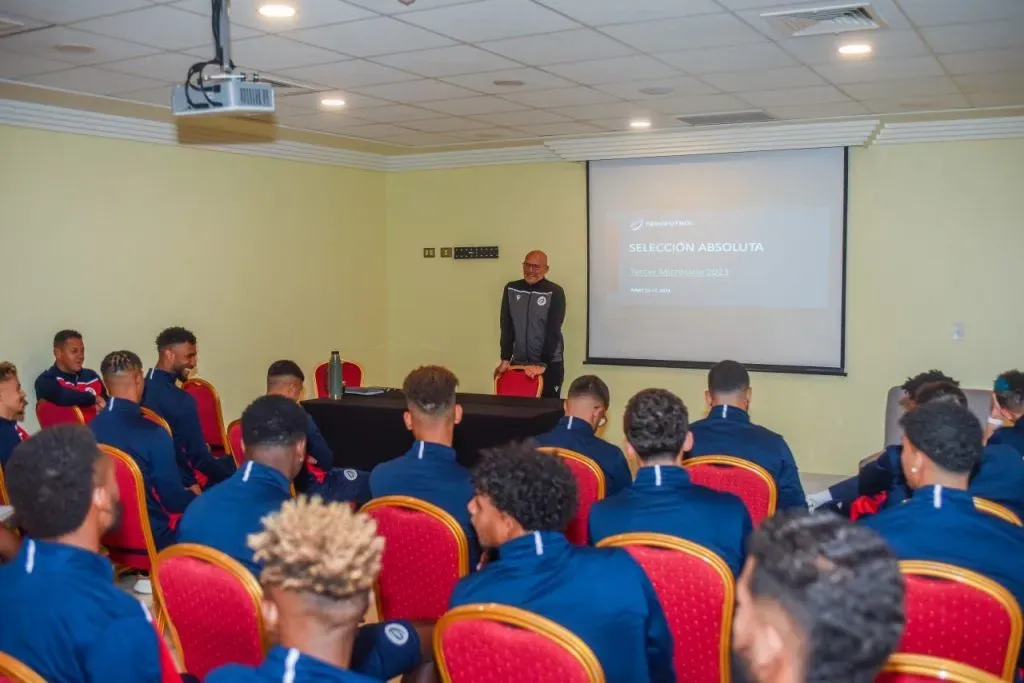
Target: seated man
(662, 499)
(223, 518)
(122, 425)
(177, 357)
(12, 410)
(727, 430)
(428, 471)
(819, 600)
(63, 615)
(1007, 406)
(585, 410)
(524, 499)
(318, 475)
(941, 447)
(66, 382)
(315, 606)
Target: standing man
(532, 312)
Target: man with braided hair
(819, 601)
(122, 425)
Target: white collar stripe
(569, 426)
(419, 455)
(937, 497)
(289, 666)
(30, 559)
(248, 471)
(538, 543)
(657, 475)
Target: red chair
(51, 414)
(5, 498)
(213, 605)
(14, 671)
(131, 545)
(751, 482)
(514, 382)
(153, 417)
(696, 590)
(425, 554)
(590, 488)
(907, 668)
(351, 375)
(960, 615)
(235, 446)
(211, 418)
(501, 644)
(996, 510)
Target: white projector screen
(696, 259)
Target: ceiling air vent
(726, 117)
(812, 21)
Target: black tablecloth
(366, 430)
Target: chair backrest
(5, 499)
(590, 488)
(211, 417)
(51, 414)
(748, 480)
(696, 590)
(514, 382)
(960, 615)
(351, 375)
(13, 671)
(501, 644)
(996, 510)
(213, 606)
(152, 416)
(235, 445)
(131, 544)
(979, 402)
(907, 668)
(425, 554)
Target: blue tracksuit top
(577, 435)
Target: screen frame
(755, 367)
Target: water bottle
(335, 383)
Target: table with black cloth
(366, 430)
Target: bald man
(532, 311)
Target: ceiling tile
(447, 61)
(411, 139)
(490, 134)
(13, 65)
(1008, 98)
(995, 82)
(89, 79)
(446, 125)
(273, 53)
(611, 110)
(388, 7)
(870, 70)
(681, 85)
(786, 77)
(621, 124)
(160, 26)
(888, 90)
(520, 118)
(983, 61)
(817, 111)
(567, 128)
(370, 37)
(323, 121)
(916, 103)
(67, 11)
(490, 20)
(594, 13)
(424, 90)
(723, 59)
(395, 113)
(375, 130)
(164, 66)
(969, 37)
(598, 71)
(471, 106)
(308, 13)
(355, 73)
(563, 97)
(885, 44)
(160, 96)
(533, 79)
(759, 4)
(821, 94)
(669, 35)
(934, 12)
(698, 104)
(311, 101)
(555, 48)
(40, 43)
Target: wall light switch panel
(446, 252)
(428, 252)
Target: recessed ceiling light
(656, 90)
(854, 49)
(75, 48)
(508, 84)
(639, 123)
(332, 102)
(274, 10)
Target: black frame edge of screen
(754, 367)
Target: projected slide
(696, 259)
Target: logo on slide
(642, 223)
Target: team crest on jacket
(397, 634)
(541, 300)
(351, 475)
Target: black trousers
(554, 375)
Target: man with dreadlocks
(227, 517)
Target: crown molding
(956, 129)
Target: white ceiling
(425, 74)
